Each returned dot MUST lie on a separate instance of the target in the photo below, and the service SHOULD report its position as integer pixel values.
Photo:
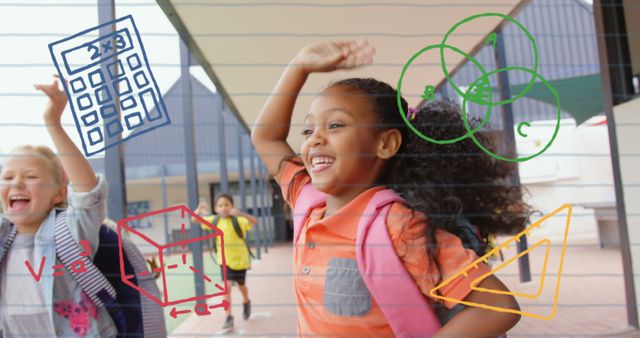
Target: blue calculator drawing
(92, 77)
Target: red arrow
(174, 312)
(224, 304)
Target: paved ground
(273, 303)
(590, 304)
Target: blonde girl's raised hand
(329, 56)
(57, 101)
(76, 166)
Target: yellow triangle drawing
(495, 251)
(477, 281)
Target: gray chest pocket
(345, 293)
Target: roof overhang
(244, 45)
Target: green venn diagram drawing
(479, 92)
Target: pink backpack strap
(308, 199)
(407, 311)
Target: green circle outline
(505, 17)
(404, 115)
(535, 74)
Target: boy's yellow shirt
(236, 254)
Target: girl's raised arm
(269, 134)
(75, 165)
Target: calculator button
(141, 79)
(113, 69)
(129, 102)
(90, 119)
(108, 111)
(114, 128)
(77, 85)
(133, 120)
(149, 101)
(103, 95)
(95, 136)
(122, 86)
(134, 61)
(96, 78)
(84, 101)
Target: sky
(25, 58)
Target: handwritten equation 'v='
(77, 266)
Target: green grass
(181, 284)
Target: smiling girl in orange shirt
(356, 144)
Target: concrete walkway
(273, 303)
(591, 299)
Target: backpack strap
(13, 232)
(308, 199)
(470, 236)
(236, 227)
(92, 281)
(409, 313)
(153, 324)
(214, 245)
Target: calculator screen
(89, 54)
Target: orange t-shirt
(331, 296)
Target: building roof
(244, 45)
(567, 56)
(145, 156)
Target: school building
(226, 163)
(589, 53)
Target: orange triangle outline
(495, 251)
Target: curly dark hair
(444, 181)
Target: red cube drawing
(174, 264)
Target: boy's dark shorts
(237, 276)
